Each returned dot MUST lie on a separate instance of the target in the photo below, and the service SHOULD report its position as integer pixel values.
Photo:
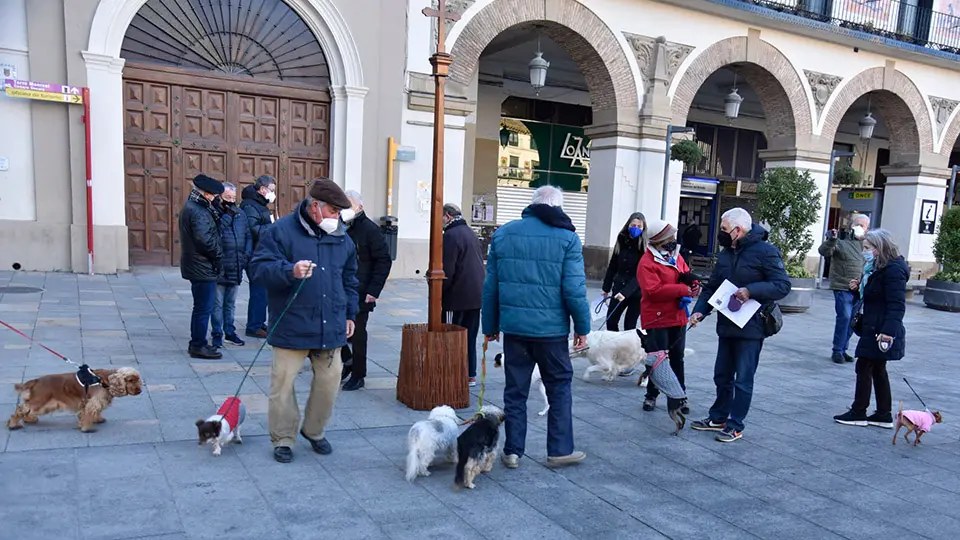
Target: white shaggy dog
(428, 438)
(535, 380)
(611, 352)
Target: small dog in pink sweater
(919, 422)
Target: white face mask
(347, 215)
(858, 231)
(270, 196)
(329, 225)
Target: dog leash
(915, 393)
(85, 377)
(246, 374)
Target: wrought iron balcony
(908, 21)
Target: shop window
(514, 139)
(746, 154)
(514, 161)
(758, 165)
(706, 135)
(726, 142)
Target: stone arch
(785, 102)
(901, 105)
(112, 18)
(586, 38)
(951, 133)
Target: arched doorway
(229, 90)
(590, 94)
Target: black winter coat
(201, 248)
(254, 206)
(756, 265)
(463, 268)
(884, 303)
(237, 246)
(373, 257)
(621, 277)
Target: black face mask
(724, 239)
(669, 247)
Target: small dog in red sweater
(224, 426)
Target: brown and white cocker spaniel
(62, 392)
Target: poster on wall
(868, 13)
(945, 26)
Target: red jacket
(661, 288)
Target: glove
(685, 302)
(688, 279)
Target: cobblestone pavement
(796, 474)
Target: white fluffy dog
(611, 352)
(428, 438)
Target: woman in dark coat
(621, 278)
(881, 292)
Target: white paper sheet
(721, 298)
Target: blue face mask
(635, 232)
(868, 256)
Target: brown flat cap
(328, 191)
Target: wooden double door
(178, 124)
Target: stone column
(348, 136)
(818, 163)
(914, 195)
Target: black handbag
(856, 320)
(772, 319)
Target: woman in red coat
(668, 287)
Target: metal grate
(255, 38)
(19, 290)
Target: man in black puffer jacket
(374, 262)
(201, 258)
(464, 272)
(237, 250)
(256, 199)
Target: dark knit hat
(328, 191)
(208, 185)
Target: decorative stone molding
(457, 7)
(942, 108)
(644, 47)
(822, 86)
(421, 90)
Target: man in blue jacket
(756, 267)
(309, 244)
(237, 247)
(535, 284)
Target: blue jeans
(256, 308)
(520, 355)
(224, 310)
(733, 373)
(204, 298)
(843, 303)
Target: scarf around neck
(867, 271)
(552, 216)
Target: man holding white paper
(754, 270)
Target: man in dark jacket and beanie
(237, 248)
(374, 264)
(201, 258)
(309, 244)
(463, 283)
(256, 199)
(846, 265)
(756, 268)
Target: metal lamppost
(671, 129)
(826, 213)
(433, 357)
(953, 185)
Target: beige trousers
(284, 413)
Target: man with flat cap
(309, 244)
(201, 256)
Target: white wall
(17, 187)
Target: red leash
(31, 340)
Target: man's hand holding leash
(303, 269)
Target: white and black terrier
(477, 446)
(428, 438)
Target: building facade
(177, 88)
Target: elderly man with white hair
(846, 265)
(374, 262)
(535, 284)
(755, 267)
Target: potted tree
(943, 289)
(846, 175)
(789, 203)
(688, 152)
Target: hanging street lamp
(867, 123)
(538, 70)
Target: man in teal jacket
(535, 284)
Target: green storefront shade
(564, 155)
